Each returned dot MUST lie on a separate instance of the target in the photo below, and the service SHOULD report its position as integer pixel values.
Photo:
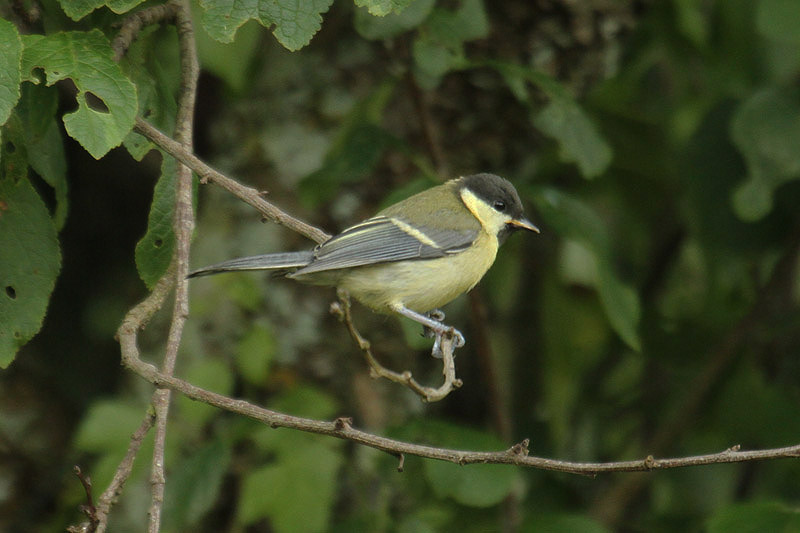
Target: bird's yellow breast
(424, 284)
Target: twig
(183, 227)
(515, 455)
(89, 509)
(114, 489)
(429, 394)
(127, 334)
(134, 23)
(616, 500)
(247, 194)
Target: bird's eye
(500, 205)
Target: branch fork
(342, 310)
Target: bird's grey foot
(433, 327)
(436, 315)
(458, 341)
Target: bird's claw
(458, 341)
(436, 314)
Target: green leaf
(107, 103)
(357, 148)
(296, 493)
(108, 425)
(195, 483)
(211, 374)
(29, 262)
(562, 118)
(216, 57)
(574, 220)
(10, 62)
(154, 250)
(77, 9)
(563, 523)
(255, 353)
(295, 21)
(381, 8)
(472, 485)
(766, 129)
(393, 24)
(308, 402)
(122, 6)
(454, 28)
(153, 65)
(44, 143)
(432, 60)
(755, 518)
(304, 401)
(439, 48)
(350, 160)
(577, 136)
(779, 20)
(691, 20)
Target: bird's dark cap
(491, 189)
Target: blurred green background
(657, 145)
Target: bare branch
(183, 227)
(134, 23)
(429, 394)
(514, 456)
(114, 489)
(611, 506)
(247, 194)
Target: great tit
(414, 256)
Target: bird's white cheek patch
(491, 220)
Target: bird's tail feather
(278, 261)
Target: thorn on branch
(520, 448)
(401, 461)
(343, 423)
(735, 448)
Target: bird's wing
(384, 239)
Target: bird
(412, 257)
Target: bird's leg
(434, 314)
(437, 327)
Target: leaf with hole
(107, 102)
(29, 263)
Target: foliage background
(656, 143)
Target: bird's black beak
(522, 223)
